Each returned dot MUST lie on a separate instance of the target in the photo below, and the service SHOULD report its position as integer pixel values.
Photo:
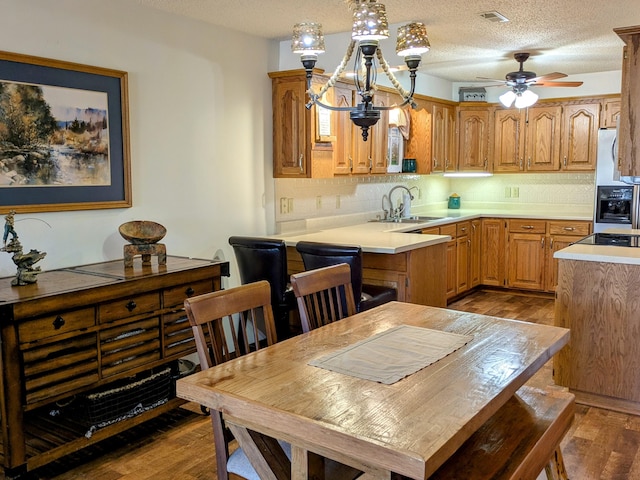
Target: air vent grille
(494, 17)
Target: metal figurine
(25, 262)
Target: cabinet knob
(189, 291)
(131, 305)
(58, 322)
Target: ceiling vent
(494, 17)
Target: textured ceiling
(572, 37)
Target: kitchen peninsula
(597, 299)
(429, 261)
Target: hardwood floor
(600, 445)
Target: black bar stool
(266, 259)
(317, 255)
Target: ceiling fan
(521, 80)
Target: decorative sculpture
(25, 262)
(143, 237)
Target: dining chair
(266, 259)
(316, 255)
(324, 295)
(226, 325)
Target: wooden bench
(518, 442)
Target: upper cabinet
(610, 112)
(418, 145)
(629, 131)
(580, 124)
(546, 137)
(443, 137)
(473, 136)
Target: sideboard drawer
(175, 296)
(57, 324)
(130, 345)
(129, 307)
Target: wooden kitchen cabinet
(527, 140)
(629, 130)
(473, 146)
(475, 252)
(580, 124)
(80, 329)
(561, 234)
(526, 257)
(418, 145)
(443, 138)
(493, 252)
(610, 112)
(463, 257)
(297, 151)
(342, 146)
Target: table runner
(391, 355)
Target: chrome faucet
(402, 209)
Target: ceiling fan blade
(549, 76)
(490, 79)
(556, 84)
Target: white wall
(200, 114)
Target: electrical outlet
(290, 204)
(419, 194)
(515, 192)
(337, 201)
(284, 205)
(507, 192)
(319, 202)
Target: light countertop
(392, 238)
(602, 253)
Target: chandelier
(369, 27)
(521, 94)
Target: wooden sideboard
(80, 329)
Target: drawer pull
(569, 229)
(527, 227)
(189, 291)
(58, 322)
(131, 305)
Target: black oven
(614, 204)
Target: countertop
(392, 238)
(602, 253)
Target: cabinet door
(493, 252)
(556, 242)
(610, 113)
(508, 140)
(418, 145)
(290, 128)
(462, 260)
(475, 252)
(443, 138)
(526, 260)
(342, 160)
(473, 149)
(580, 136)
(542, 144)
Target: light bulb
(526, 99)
(507, 98)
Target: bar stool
(316, 255)
(266, 259)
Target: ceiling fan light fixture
(526, 99)
(507, 98)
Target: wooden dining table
(405, 429)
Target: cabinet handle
(485, 163)
(551, 243)
(350, 164)
(370, 164)
(542, 242)
(569, 229)
(529, 162)
(300, 162)
(58, 322)
(527, 227)
(473, 225)
(520, 163)
(463, 229)
(131, 305)
(565, 160)
(189, 291)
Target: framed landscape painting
(64, 136)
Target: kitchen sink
(414, 219)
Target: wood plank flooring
(601, 445)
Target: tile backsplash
(302, 199)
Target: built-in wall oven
(613, 207)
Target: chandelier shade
(370, 26)
(522, 96)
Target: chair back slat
(324, 295)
